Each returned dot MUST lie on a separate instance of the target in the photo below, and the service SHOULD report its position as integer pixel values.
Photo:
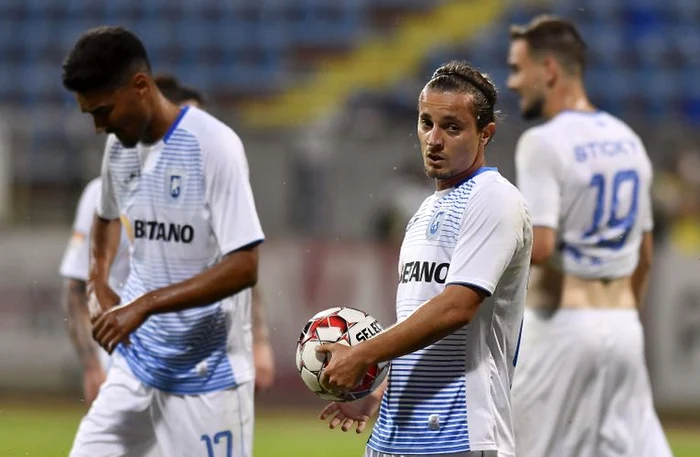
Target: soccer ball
(346, 326)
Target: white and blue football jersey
(454, 395)
(588, 176)
(185, 201)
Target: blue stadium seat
(157, 35)
(652, 49)
(9, 33)
(606, 43)
(687, 42)
(8, 78)
(683, 9)
(322, 24)
(611, 90)
(36, 36)
(601, 10)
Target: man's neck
(442, 184)
(165, 114)
(569, 96)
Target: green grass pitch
(48, 432)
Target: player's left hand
(264, 366)
(345, 368)
(115, 326)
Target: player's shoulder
(214, 137)
(537, 140)
(619, 125)
(489, 188)
(494, 186)
(206, 128)
(93, 188)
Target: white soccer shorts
(581, 387)
(130, 419)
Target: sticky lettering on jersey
(603, 149)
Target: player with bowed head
(180, 337)
(463, 271)
(582, 387)
(75, 265)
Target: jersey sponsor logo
(160, 231)
(421, 271)
(368, 332)
(433, 228)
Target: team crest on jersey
(433, 229)
(175, 183)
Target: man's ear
(488, 132)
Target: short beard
(440, 174)
(534, 111)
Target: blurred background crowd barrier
(323, 94)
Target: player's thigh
(556, 393)
(118, 422)
(630, 425)
(217, 424)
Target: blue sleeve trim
(471, 286)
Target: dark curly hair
(104, 58)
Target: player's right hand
(347, 414)
(101, 298)
(92, 380)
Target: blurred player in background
(74, 270)
(181, 376)
(463, 270)
(75, 265)
(581, 388)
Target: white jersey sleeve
(538, 174)
(228, 193)
(107, 207)
(489, 237)
(76, 257)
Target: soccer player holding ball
(463, 272)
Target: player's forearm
(78, 322)
(439, 317)
(104, 242)
(261, 332)
(237, 271)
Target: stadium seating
(644, 54)
(248, 46)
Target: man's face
(527, 79)
(123, 112)
(447, 132)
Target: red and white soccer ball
(347, 326)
